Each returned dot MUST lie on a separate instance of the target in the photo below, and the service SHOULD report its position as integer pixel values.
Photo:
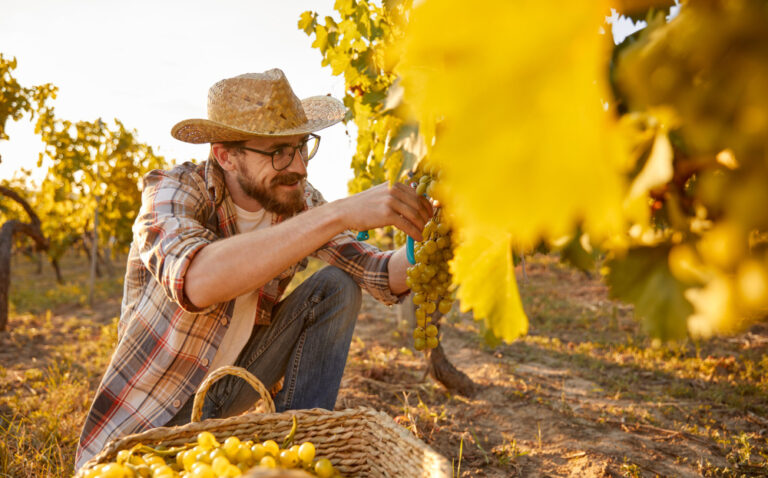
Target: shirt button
(224, 321)
(177, 403)
(205, 362)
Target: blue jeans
(307, 341)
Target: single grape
(445, 306)
(268, 462)
(420, 314)
(207, 441)
(113, 470)
(419, 333)
(244, 455)
(324, 468)
(203, 457)
(123, 456)
(220, 465)
(230, 447)
(215, 453)
(429, 307)
(289, 458)
(201, 470)
(271, 447)
(307, 452)
(419, 344)
(258, 452)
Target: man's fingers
(408, 227)
(411, 214)
(408, 196)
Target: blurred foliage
(546, 134)
(360, 43)
(17, 100)
(92, 165)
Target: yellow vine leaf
(657, 171)
(485, 270)
(515, 99)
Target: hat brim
(321, 112)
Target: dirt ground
(583, 394)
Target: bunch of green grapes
(207, 458)
(429, 278)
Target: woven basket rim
(373, 418)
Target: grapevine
(208, 458)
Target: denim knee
(334, 280)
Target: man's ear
(223, 157)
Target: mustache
(287, 178)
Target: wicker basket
(360, 442)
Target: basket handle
(197, 405)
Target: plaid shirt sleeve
(169, 231)
(367, 265)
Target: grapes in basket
(207, 458)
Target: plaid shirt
(165, 344)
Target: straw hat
(258, 104)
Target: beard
(269, 198)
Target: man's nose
(298, 164)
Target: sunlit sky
(150, 64)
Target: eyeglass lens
(283, 157)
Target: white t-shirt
(241, 326)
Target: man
(214, 247)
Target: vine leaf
(643, 278)
(486, 274)
(657, 171)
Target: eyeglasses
(283, 156)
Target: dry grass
(52, 357)
(584, 394)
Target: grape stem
(289, 438)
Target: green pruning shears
(363, 236)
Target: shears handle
(409, 250)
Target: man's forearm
(397, 269)
(233, 266)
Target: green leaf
(394, 96)
(345, 7)
(363, 21)
(331, 24)
(307, 22)
(321, 42)
(643, 278)
(374, 98)
(576, 255)
(338, 63)
(483, 268)
(657, 171)
(408, 140)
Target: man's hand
(381, 206)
